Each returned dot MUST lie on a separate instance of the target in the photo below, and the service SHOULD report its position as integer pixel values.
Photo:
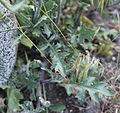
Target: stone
(7, 48)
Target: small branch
(44, 81)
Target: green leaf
(57, 107)
(50, 5)
(20, 4)
(93, 96)
(58, 65)
(13, 96)
(4, 85)
(36, 32)
(84, 33)
(89, 81)
(16, 39)
(81, 94)
(23, 20)
(26, 42)
(68, 20)
(69, 88)
(101, 88)
(35, 64)
(58, 62)
(47, 30)
(73, 40)
(40, 20)
(95, 89)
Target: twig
(44, 81)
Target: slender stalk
(37, 11)
(44, 94)
(38, 94)
(118, 57)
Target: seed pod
(7, 48)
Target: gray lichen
(7, 49)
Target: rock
(7, 48)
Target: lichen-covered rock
(7, 49)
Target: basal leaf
(58, 57)
(101, 88)
(40, 20)
(13, 96)
(26, 42)
(19, 5)
(81, 94)
(93, 96)
(69, 88)
(94, 89)
(23, 20)
(73, 40)
(89, 81)
(58, 65)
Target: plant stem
(59, 12)
(39, 94)
(37, 11)
(44, 94)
